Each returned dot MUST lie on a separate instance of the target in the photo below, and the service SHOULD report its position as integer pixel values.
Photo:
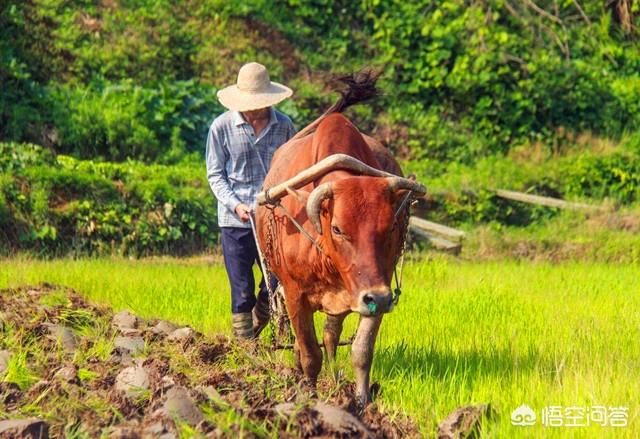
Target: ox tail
(354, 88)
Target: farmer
(240, 145)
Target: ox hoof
(362, 401)
(308, 386)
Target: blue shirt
(238, 160)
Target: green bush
(464, 194)
(616, 176)
(62, 205)
(119, 121)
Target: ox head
(355, 218)
(361, 231)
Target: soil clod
(67, 374)
(180, 405)
(132, 381)
(63, 335)
(125, 320)
(464, 422)
(24, 428)
(4, 360)
(181, 335)
(132, 345)
(163, 328)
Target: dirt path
(68, 367)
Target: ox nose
(377, 302)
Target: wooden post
(438, 229)
(437, 243)
(544, 201)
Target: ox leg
(309, 353)
(331, 335)
(362, 355)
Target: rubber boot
(243, 325)
(260, 315)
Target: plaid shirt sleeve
(216, 173)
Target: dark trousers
(240, 253)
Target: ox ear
(299, 194)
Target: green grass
(503, 333)
(610, 236)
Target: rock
(124, 320)
(133, 345)
(462, 422)
(213, 396)
(129, 332)
(9, 393)
(211, 393)
(181, 335)
(167, 382)
(123, 433)
(4, 360)
(40, 386)
(341, 421)
(155, 429)
(64, 335)
(24, 428)
(121, 357)
(285, 409)
(337, 420)
(132, 381)
(179, 404)
(67, 374)
(163, 328)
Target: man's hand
(243, 211)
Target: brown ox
(352, 218)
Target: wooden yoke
(332, 163)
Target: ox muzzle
(374, 301)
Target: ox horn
(399, 183)
(332, 163)
(314, 204)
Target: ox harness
(278, 316)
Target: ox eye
(335, 230)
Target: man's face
(260, 113)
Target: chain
(266, 274)
(279, 324)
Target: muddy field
(76, 370)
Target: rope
(299, 227)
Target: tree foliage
(464, 79)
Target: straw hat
(253, 90)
